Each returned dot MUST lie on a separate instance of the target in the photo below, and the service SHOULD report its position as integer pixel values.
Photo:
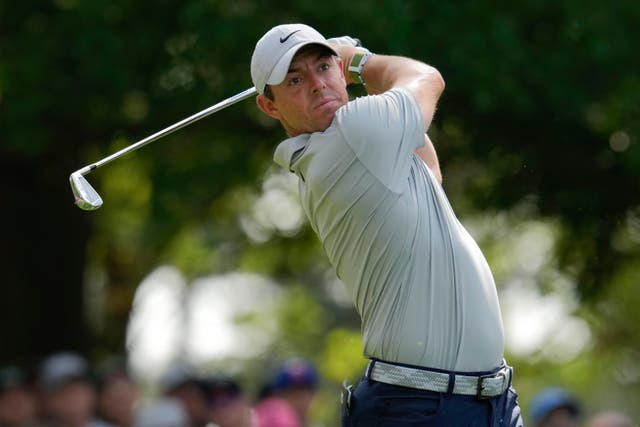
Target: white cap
(275, 50)
(60, 368)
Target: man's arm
(382, 73)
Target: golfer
(370, 184)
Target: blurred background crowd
(63, 390)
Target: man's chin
(324, 123)
(328, 111)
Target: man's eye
(324, 67)
(295, 80)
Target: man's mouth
(324, 102)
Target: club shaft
(166, 131)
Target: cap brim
(282, 67)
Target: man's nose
(317, 82)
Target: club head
(86, 197)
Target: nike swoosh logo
(282, 40)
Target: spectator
(182, 383)
(555, 407)
(610, 419)
(229, 406)
(67, 391)
(289, 396)
(163, 412)
(117, 394)
(18, 406)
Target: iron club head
(86, 197)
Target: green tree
(539, 121)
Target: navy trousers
(375, 404)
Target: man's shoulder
(391, 95)
(286, 149)
(371, 111)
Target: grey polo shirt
(421, 285)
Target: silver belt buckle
(480, 388)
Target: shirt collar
(287, 148)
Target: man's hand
(346, 47)
(346, 41)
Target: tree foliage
(541, 111)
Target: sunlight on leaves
(342, 357)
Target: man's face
(71, 404)
(117, 400)
(560, 417)
(312, 91)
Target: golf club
(88, 199)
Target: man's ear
(268, 107)
(343, 72)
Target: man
(18, 407)
(182, 383)
(555, 407)
(610, 419)
(370, 186)
(288, 397)
(229, 407)
(161, 412)
(117, 394)
(67, 391)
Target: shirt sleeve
(384, 131)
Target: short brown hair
(268, 92)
